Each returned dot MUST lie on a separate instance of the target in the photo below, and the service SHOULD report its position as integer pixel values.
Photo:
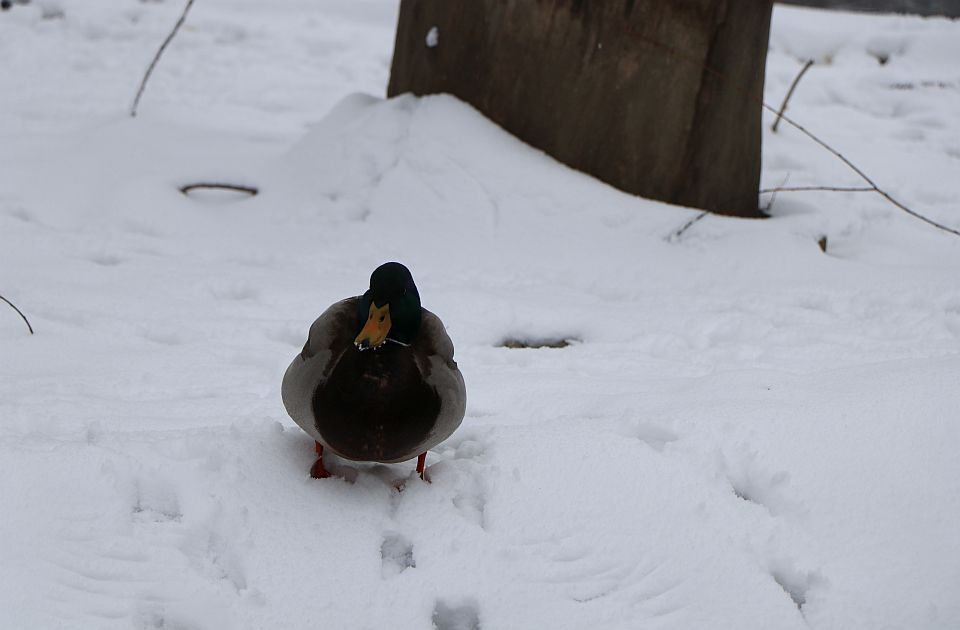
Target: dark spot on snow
(220, 191)
(396, 553)
(106, 260)
(822, 242)
(453, 617)
(50, 12)
(523, 343)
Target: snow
(744, 432)
(433, 37)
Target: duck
(376, 380)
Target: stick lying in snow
(815, 188)
(786, 99)
(686, 226)
(13, 306)
(865, 178)
(156, 58)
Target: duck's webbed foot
(318, 471)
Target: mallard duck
(376, 380)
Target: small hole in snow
(522, 343)
(215, 191)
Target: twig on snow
(773, 198)
(156, 58)
(865, 177)
(686, 226)
(786, 99)
(777, 189)
(14, 307)
(677, 54)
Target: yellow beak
(375, 331)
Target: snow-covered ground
(745, 432)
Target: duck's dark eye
(381, 318)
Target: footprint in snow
(163, 335)
(752, 483)
(765, 490)
(156, 502)
(105, 260)
(795, 582)
(396, 553)
(239, 292)
(654, 436)
(463, 616)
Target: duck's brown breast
(375, 405)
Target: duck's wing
(441, 372)
(330, 335)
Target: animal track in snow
(160, 621)
(156, 502)
(465, 616)
(236, 292)
(472, 503)
(214, 556)
(287, 334)
(163, 336)
(654, 436)
(795, 583)
(396, 553)
(105, 260)
(21, 214)
(752, 483)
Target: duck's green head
(390, 309)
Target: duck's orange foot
(317, 471)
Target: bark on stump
(660, 98)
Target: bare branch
(156, 58)
(786, 99)
(13, 306)
(686, 226)
(864, 176)
(677, 54)
(767, 209)
(817, 188)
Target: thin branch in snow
(677, 54)
(773, 197)
(686, 226)
(156, 58)
(786, 99)
(865, 177)
(13, 306)
(777, 189)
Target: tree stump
(660, 98)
